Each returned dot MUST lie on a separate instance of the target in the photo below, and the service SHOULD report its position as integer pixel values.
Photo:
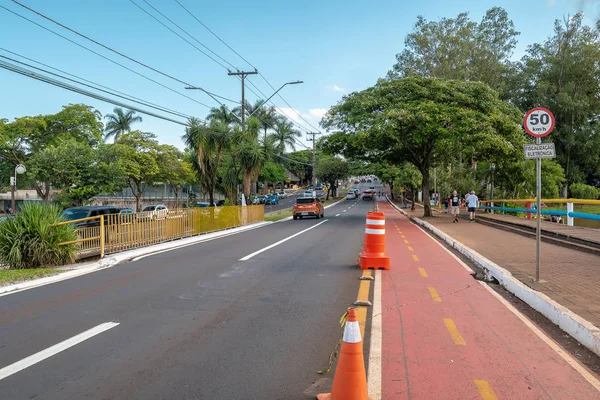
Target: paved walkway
(448, 336)
(570, 277)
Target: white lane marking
(374, 380)
(337, 215)
(53, 350)
(345, 210)
(249, 256)
(563, 354)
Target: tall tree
(285, 135)
(424, 121)
(329, 170)
(459, 48)
(120, 122)
(221, 114)
(562, 75)
(209, 143)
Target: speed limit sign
(538, 122)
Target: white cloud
(317, 112)
(290, 113)
(338, 89)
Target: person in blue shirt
(472, 203)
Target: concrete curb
(582, 330)
(117, 258)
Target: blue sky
(335, 47)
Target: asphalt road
(194, 323)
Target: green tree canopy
(329, 170)
(425, 121)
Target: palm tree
(120, 122)
(285, 135)
(221, 114)
(209, 144)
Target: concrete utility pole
(243, 75)
(314, 160)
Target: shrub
(583, 191)
(30, 240)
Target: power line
(239, 55)
(106, 58)
(51, 81)
(215, 35)
(115, 51)
(111, 92)
(289, 159)
(184, 31)
(285, 101)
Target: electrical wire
(111, 92)
(215, 35)
(289, 159)
(183, 30)
(106, 58)
(117, 52)
(54, 82)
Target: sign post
(538, 122)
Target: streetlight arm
(270, 97)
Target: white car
(350, 196)
(158, 211)
(282, 195)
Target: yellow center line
(405, 241)
(485, 390)
(410, 248)
(363, 294)
(415, 258)
(456, 336)
(403, 237)
(434, 294)
(423, 272)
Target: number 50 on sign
(538, 122)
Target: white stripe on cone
(375, 231)
(352, 332)
(375, 222)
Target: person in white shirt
(472, 203)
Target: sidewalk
(447, 336)
(570, 277)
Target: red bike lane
(447, 336)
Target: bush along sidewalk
(30, 240)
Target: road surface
(214, 320)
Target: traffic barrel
(350, 380)
(373, 254)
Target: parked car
(202, 204)
(282, 195)
(308, 207)
(158, 211)
(271, 199)
(262, 199)
(220, 203)
(319, 187)
(75, 213)
(6, 217)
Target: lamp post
(270, 97)
(19, 169)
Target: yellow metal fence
(113, 233)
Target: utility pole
(314, 160)
(243, 75)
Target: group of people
(454, 202)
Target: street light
(261, 104)
(19, 169)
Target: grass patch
(10, 276)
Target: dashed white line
(345, 210)
(57, 348)
(249, 256)
(337, 215)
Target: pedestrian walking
(472, 203)
(455, 205)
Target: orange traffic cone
(350, 380)
(374, 255)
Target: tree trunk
(139, 192)
(246, 181)
(211, 197)
(412, 200)
(391, 190)
(425, 189)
